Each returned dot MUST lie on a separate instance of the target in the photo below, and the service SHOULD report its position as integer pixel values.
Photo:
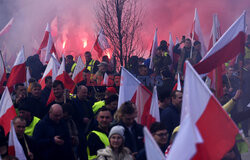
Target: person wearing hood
(116, 149)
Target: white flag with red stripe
(78, 72)
(131, 89)
(204, 123)
(154, 113)
(7, 111)
(196, 33)
(14, 146)
(231, 43)
(154, 49)
(7, 27)
(51, 70)
(18, 72)
(63, 76)
(101, 43)
(151, 147)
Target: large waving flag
(2, 73)
(151, 147)
(18, 72)
(196, 33)
(153, 49)
(7, 111)
(14, 146)
(101, 43)
(154, 113)
(131, 89)
(227, 47)
(47, 42)
(51, 70)
(78, 72)
(7, 27)
(206, 131)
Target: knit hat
(117, 130)
(111, 90)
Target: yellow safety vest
(247, 52)
(97, 106)
(30, 129)
(103, 137)
(91, 66)
(165, 53)
(73, 68)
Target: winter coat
(108, 154)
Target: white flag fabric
(154, 108)
(178, 83)
(154, 49)
(77, 74)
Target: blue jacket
(44, 134)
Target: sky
(76, 19)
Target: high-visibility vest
(97, 106)
(103, 137)
(73, 68)
(91, 66)
(30, 129)
(247, 52)
(166, 54)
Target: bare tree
(121, 21)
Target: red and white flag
(151, 147)
(214, 78)
(206, 131)
(231, 43)
(177, 85)
(2, 73)
(14, 146)
(78, 72)
(105, 79)
(63, 76)
(18, 72)
(7, 27)
(196, 33)
(47, 42)
(101, 43)
(153, 50)
(131, 89)
(51, 70)
(7, 111)
(154, 113)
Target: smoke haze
(76, 20)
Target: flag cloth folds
(7, 27)
(18, 72)
(231, 43)
(196, 33)
(131, 89)
(101, 43)
(78, 72)
(14, 146)
(206, 131)
(153, 50)
(151, 147)
(7, 111)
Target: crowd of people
(89, 124)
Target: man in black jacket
(52, 136)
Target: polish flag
(7, 27)
(51, 70)
(14, 146)
(18, 72)
(196, 33)
(215, 76)
(154, 113)
(78, 72)
(177, 85)
(151, 147)
(227, 47)
(105, 79)
(63, 76)
(153, 50)
(7, 111)
(206, 131)
(131, 89)
(101, 43)
(2, 73)
(47, 42)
